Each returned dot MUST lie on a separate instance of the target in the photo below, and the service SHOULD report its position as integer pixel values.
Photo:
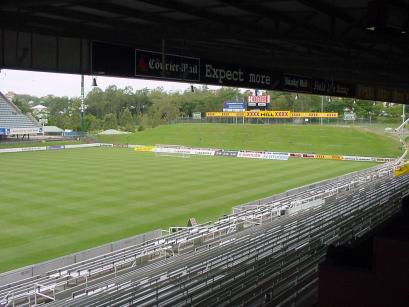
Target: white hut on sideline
(53, 130)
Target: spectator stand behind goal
(177, 151)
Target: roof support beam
(85, 24)
(328, 9)
(231, 24)
(272, 15)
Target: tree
(163, 110)
(94, 101)
(126, 120)
(91, 122)
(60, 120)
(127, 106)
(110, 121)
(21, 104)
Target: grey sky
(42, 84)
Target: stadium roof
(357, 41)
(52, 129)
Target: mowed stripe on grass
(58, 202)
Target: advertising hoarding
(273, 114)
(24, 130)
(234, 106)
(318, 86)
(328, 157)
(349, 116)
(176, 67)
(226, 153)
(197, 115)
(258, 101)
(4, 131)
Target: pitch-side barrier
(183, 150)
(264, 155)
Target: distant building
(40, 112)
(53, 130)
(39, 108)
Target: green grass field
(287, 138)
(57, 202)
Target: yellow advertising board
(144, 148)
(273, 114)
(267, 114)
(401, 170)
(224, 114)
(328, 157)
(314, 114)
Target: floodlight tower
(82, 98)
(82, 104)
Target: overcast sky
(42, 84)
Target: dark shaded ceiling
(347, 40)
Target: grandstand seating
(12, 117)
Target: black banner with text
(112, 60)
(317, 86)
(124, 61)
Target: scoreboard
(257, 102)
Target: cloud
(42, 83)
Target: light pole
(82, 104)
(82, 98)
(322, 108)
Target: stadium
(237, 201)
